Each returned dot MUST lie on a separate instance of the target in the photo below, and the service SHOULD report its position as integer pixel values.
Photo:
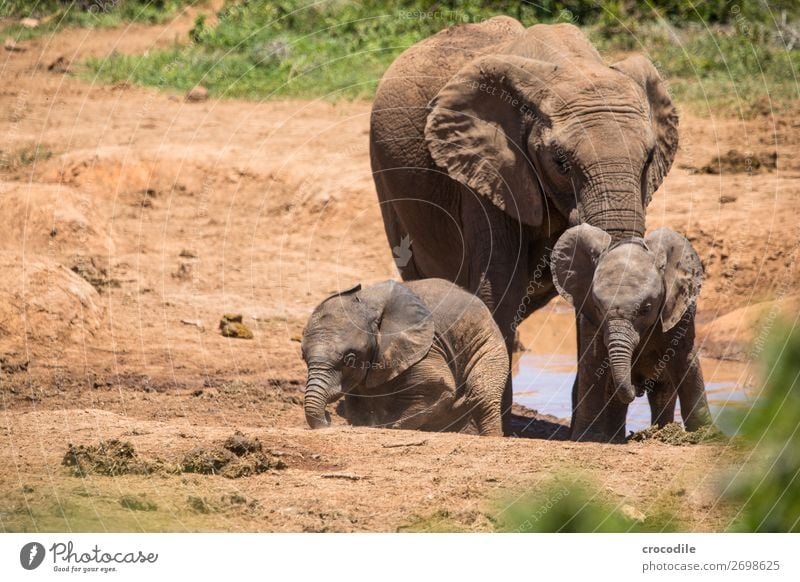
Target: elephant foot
(597, 436)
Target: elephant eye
(561, 161)
(645, 309)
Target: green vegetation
(149, 504)
(571, 506)
(765, 489)
(742, 67)
(768, 487)
(55, 15)
(25, 156)
(715, 54)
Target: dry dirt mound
(238, 456)
(737, 162)
(741, 334)
(53, 220)
(42, 303)
(673, 434)
(111, 458)
(743, 266)
(235, 457)
(111, 172)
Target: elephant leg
(578, 352)
(485, 389)
(401, 243)
(662, 400)
(616, 414)
(590, 400)
(355, 409)
(424, 414)
(497, 262)
(487, 417)
(692, 394)
(424, 398)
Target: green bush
(59, 14)
(340, 48)
(568, 505)
(769, 487)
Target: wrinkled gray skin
(424, 355)
(488, 140)
(635, 302)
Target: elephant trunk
(621, 341)
(612, 199)
(324, 385)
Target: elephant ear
(663, 116)
(404, 330)
(683, 273)
(573, 262)
(478, 126)
(354, 289)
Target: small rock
(197, 94)
(198, 323)
(14, 366)
(11, 46)
(60, 65)
(632, 513)
(184, 272)
(727, 198)
(231, 326)
(137, 503)
(29, 22)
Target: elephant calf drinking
(421, 355)
(635, 301)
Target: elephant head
(544, 115)
(362, 337)
(626, 288)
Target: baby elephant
(635, 301)
(421, 355)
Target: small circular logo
(31, 555)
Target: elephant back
(400, 107)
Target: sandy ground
(145, 217)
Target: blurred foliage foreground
(764, 489)
(741, 57)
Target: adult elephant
(489, 140)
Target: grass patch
(56, 15)
(23, 157)
(569, 505)
(151, 505)
(714, 56)
(137, 503)
(736, 69)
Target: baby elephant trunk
(324, 385)
(621, 340)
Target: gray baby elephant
(635, 303)
(422, 355)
